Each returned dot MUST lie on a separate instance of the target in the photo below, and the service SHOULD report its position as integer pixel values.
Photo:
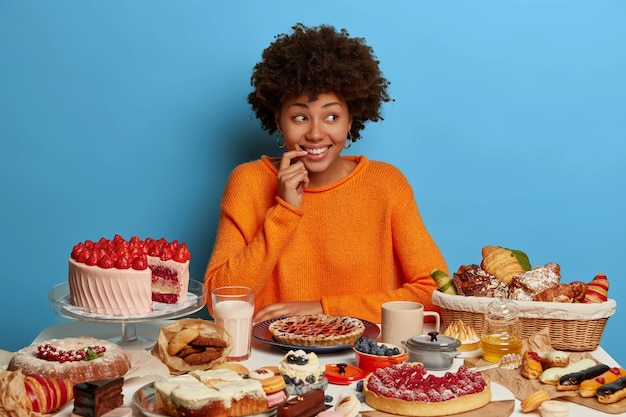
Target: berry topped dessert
(76, 359)
(302, 372)
(409, 390)
(120, 277)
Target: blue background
(127, 116)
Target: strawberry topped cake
(407, 389)
(120, 277)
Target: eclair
(589, 387)
(570, 382)
(613, 392)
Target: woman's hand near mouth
(292, 178)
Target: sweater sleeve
(247, 244)
(416, 254)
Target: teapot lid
(433, 341)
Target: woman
(314, 231)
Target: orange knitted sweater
(353, 244)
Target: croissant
(22, 395)
(597, 289)
(504, 263)
(561, 293)
(579, 289)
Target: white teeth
(317, 151)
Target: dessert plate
(261, 332)
(145, 401)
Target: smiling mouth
(316, 151)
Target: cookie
(205, 341)
(181, 339)
(261, 374)
(188, 350)
(273, 384)
(203, 357)
(534, 400)
(237, 367)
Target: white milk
(236, 317)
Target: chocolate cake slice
(95, 398)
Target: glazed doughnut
(181, 339)
(570, 382)
(613, 392)
(534, 400)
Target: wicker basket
(573, 327)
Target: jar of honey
(501, 332)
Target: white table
(262, 355)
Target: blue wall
(127, 116)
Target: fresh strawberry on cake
(120, 277)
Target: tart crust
(427, 409)
(317, 330)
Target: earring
(279, 138)
(348, 141)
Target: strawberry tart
(120, 277)
(407, 389)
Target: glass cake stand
(59, 297)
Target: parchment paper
(178, 366)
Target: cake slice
(96, 398)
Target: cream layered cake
(216, 393)
(120, 277)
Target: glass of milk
(233, 308)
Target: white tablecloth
(146, 371)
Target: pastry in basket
(471, 280)
(444, 282)
(408, 389)
(317, 330)
(597, 290)
(504, 263)
(574, 292)
(526, 286)
(465, 333)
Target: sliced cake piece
(96, 398)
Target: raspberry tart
(407, 389)
(317, 330)
(123, 278)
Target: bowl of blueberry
(371, 355)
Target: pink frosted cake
(119, 277)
